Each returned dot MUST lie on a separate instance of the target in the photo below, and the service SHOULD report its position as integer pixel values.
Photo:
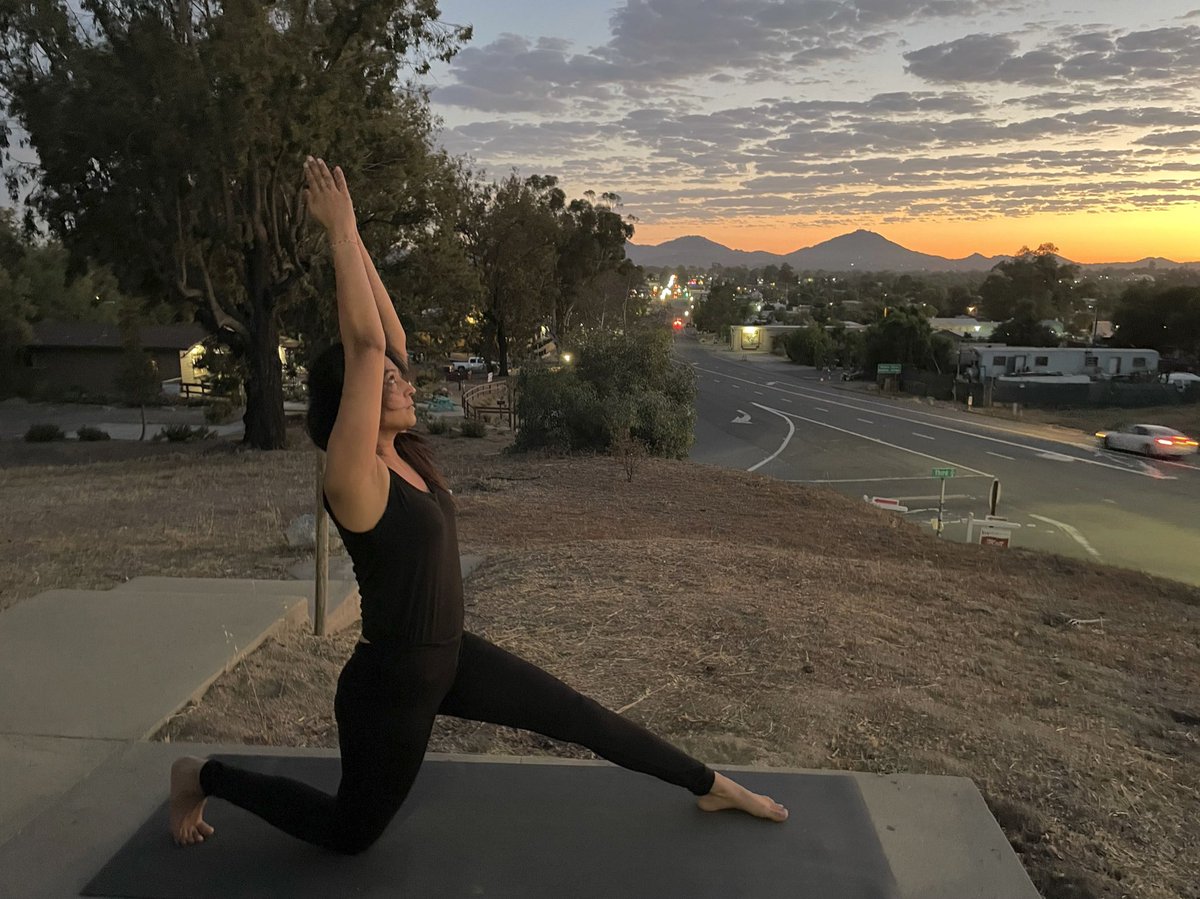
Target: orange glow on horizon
(1172, 233)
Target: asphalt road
(1068, 495)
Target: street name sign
(888, 368)
(944, 472)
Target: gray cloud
(1170, 139)
(976, 57)
(1160, 54)
(659, 43)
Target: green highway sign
(943, 472)
(888, 368)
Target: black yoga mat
(526, 831)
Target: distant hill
(860, 250)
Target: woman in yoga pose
(394, 512)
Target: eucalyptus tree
(590, 252)
(512, 242)
(169, 136)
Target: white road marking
(926, 436)
(934, 496)
(782, 446)
(742, 419)
(820, 408)
(866, 421)
(1071, 532)
(878, 480)
(1058, 457)
(1001, 456)
(902, 449)
(785, 399)
(758, 393)
(1110, 501)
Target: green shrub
(622, 386)
(437, 426)
(810, 346)
(184, 433)
(44, 433)
(220, 410)
(88, 433)
(472, 427)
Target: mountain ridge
(859, 250)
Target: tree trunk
(502, 347)
(143, 437)
(264, 385)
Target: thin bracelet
(345, 240)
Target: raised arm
(393, 331)
(355, 479)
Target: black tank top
(407, 568)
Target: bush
(184, 433)
(472, 427)
(88, 433)
(44, 433)
(220, 410)
(623, 386)
(810, 346)
(437, 426)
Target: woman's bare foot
(727, 794)
(186, 807)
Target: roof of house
(96, 335)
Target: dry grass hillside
(750, 621)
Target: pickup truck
(472, 363)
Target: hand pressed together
(328, 199)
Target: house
(995, 361)
(85, 357)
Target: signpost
(887, 368)
(942, 474)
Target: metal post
(321, 554)
(941, 505)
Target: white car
(1150, 440)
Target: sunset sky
(949, 126)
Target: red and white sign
(883, 502)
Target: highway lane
(1069, 497)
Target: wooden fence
(494, 401)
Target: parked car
(1182, 380)
(1150, 440)
(472, 363)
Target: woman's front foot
(727, 794)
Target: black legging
(387, 698)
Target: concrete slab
(935, 833)
(341, 600)
(117, 664)
(38, 770)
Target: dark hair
(326, 375)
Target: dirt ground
(748, 620)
